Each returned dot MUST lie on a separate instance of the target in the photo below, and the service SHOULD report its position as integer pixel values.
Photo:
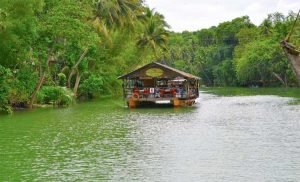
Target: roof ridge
(182, 73)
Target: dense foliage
(4, 89)
(55, 51)
(237, 53)
(52, 51)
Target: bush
(40, 97)
(91, 86)
(62, 79)
(59, 96)
(4, 90)
(22, 86)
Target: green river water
(250, 138)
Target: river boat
(157, 83)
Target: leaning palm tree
(155, 35)
(293, 51)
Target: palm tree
(117, 12)
(111, 14)
(291, 50)
(108, 15)
(266, 27)
(154, 34)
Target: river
(251, 138)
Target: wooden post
(188, 89)
(76, 86)
(132, 103)
(176, 102)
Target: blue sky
(197, 14)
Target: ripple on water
(253, 138)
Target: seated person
(180, 90)
(156, 92)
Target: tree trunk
(81, 57)
(280, 79)
(78, 77)
(36, 90)
(294, 57)
(75, 67)
(70, 78)
(39, 84)
(286, 80)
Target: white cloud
(197, 14)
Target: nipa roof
(169, 72)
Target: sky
(194, 15)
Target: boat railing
(158, 92)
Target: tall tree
(291, 50)
(64, 34)
(155, 35)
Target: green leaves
(118, 12)
(58, 96)
(5, 75)
(91, 86)
(259, 60)
(236, 53)
(154, 35)
(18, 29)
(22, 85)
(46, 43)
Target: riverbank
(110, 100)
(240, 91)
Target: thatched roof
(168, 72)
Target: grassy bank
(238, 91)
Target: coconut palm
(266, 27)
(108, 14)
(117, 12)
(154, 34)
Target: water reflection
(220, 139)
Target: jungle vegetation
(238, 53)
(58, 51)
(55, 51)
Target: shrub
(62, 79)
(59, 96)
(4, 90)
(22, 86)
(40, 97)
(91, 86)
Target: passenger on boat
(156, 92)
(180, 91)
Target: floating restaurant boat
(159, 84)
